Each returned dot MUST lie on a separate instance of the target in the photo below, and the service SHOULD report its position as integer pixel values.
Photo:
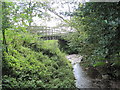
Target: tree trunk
(30, 13)
(4, 41)
(3, 28)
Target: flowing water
(82, 80)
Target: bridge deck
(48, 33)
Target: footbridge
(50, 33)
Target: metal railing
(42, 30)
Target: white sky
(56, 20)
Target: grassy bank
(32, 63)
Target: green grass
(50, 44)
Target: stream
(84, 81)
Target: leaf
(99, 64)
(105, 21)
(1, 38)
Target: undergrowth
(33, 63)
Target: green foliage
(5, 12)
(102, 33)
(98, 35)
(97, 30)
(99, 64)
(32, 63)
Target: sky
(55, 20)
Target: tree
(100, 23)
(5, 22)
